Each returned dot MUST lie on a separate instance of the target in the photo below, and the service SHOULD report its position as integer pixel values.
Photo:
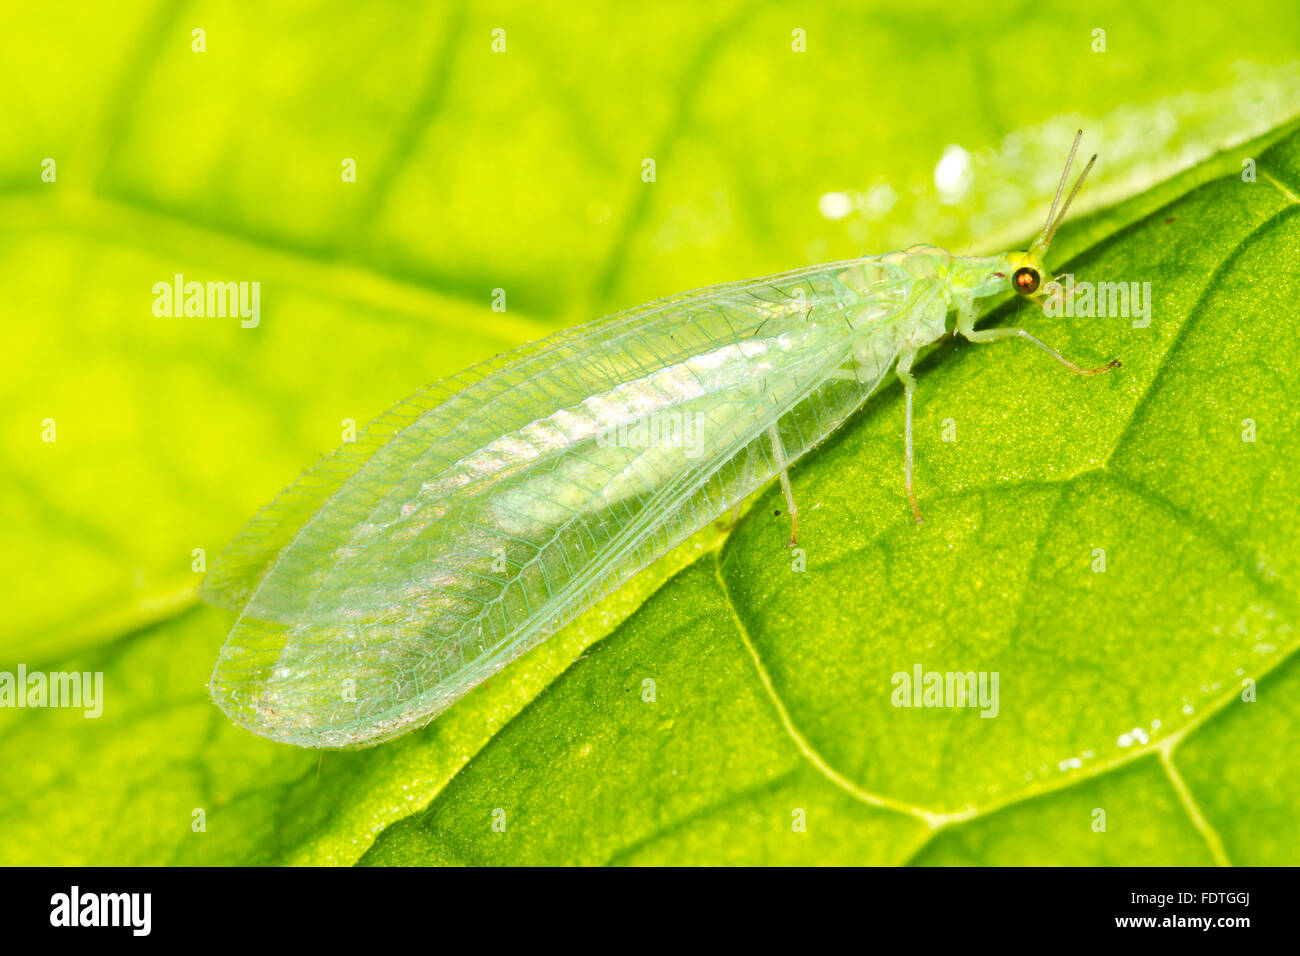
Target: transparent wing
(474, 518)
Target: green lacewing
(473, 519)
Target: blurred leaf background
(521, 170)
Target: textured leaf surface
(1120, 690)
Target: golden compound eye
(1026, 280)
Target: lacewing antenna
(1054, 219)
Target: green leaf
(521, 171)
(774, 734)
